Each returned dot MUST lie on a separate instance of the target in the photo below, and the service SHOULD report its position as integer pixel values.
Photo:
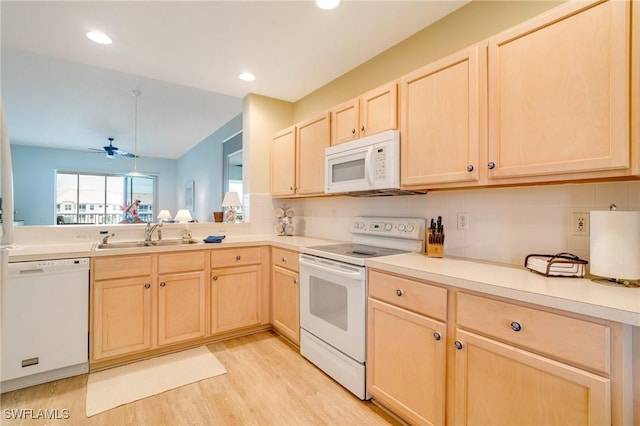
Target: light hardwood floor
(267, 383)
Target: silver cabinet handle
(284, 260)
(162, 284)
(353, 131)
(238, 257)
(147, 286)
(470, 168)
(362, 128)
(399, 292)
(458, 344)
(215, 278)
(295, 281)
(491, 165)
(437, 336)
(515, 326)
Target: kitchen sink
(137, 244)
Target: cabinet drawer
(416, 296)
(235, 257)
(181, 262)
(105, 268)
(285, 258)
(569, 339)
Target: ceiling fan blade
(101, 151)
(125, 154)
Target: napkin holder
(556, 265)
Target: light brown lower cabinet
(496, 383)
(406, 362)
(494, 361)
(285, 294)
(237, 293)
(144, 302)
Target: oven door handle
(313, 265)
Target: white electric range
(333, 295)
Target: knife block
(435, 244)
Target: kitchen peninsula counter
(577, 295)
(25, 253)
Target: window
(103, 198)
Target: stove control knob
(401, 227)
(410, 228)
(387, 227)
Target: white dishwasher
(45, 322)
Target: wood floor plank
(267, 383)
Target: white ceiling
(62, 90)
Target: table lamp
(164, 215)
(231, 201)
(183, 216)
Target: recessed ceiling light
(327, 4)
(98, 37)
(247, 76)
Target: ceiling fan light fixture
(99, 37)
(327, 4)
(247, 76)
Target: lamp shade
(615, 244)
(231, 199)
(164, 215)
(183, 216)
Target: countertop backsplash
(505, 224)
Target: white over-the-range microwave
(366, 166)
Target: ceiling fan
(113, 151)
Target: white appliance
(333, 295)
(45, 322)
(367, 165)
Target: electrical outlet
(580, 224)
(463, 221)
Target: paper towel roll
(615, 244)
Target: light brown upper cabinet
(371, 113)
(442, 120)
(297, 158)
(559, 95)
(283, 163)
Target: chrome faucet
(106, 238)
(148, 231)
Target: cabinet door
(181, 307)
(286, 303)
(283, 162)
(121, 317)
(235, 298)
(312, 139)
(559, 93)
(440, 120)
(345, 122)
(406, 355)
(379, 110)
(498, 384)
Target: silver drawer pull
(437, 336)
(284, 260)
(147, 286)
(162, 284)
(238, 257)
(515, 326)
(215, 278)
(399, 292)
(458, 344)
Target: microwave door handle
(370, 166)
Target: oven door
(333, 304)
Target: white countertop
(25, 253)
(578, 295)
